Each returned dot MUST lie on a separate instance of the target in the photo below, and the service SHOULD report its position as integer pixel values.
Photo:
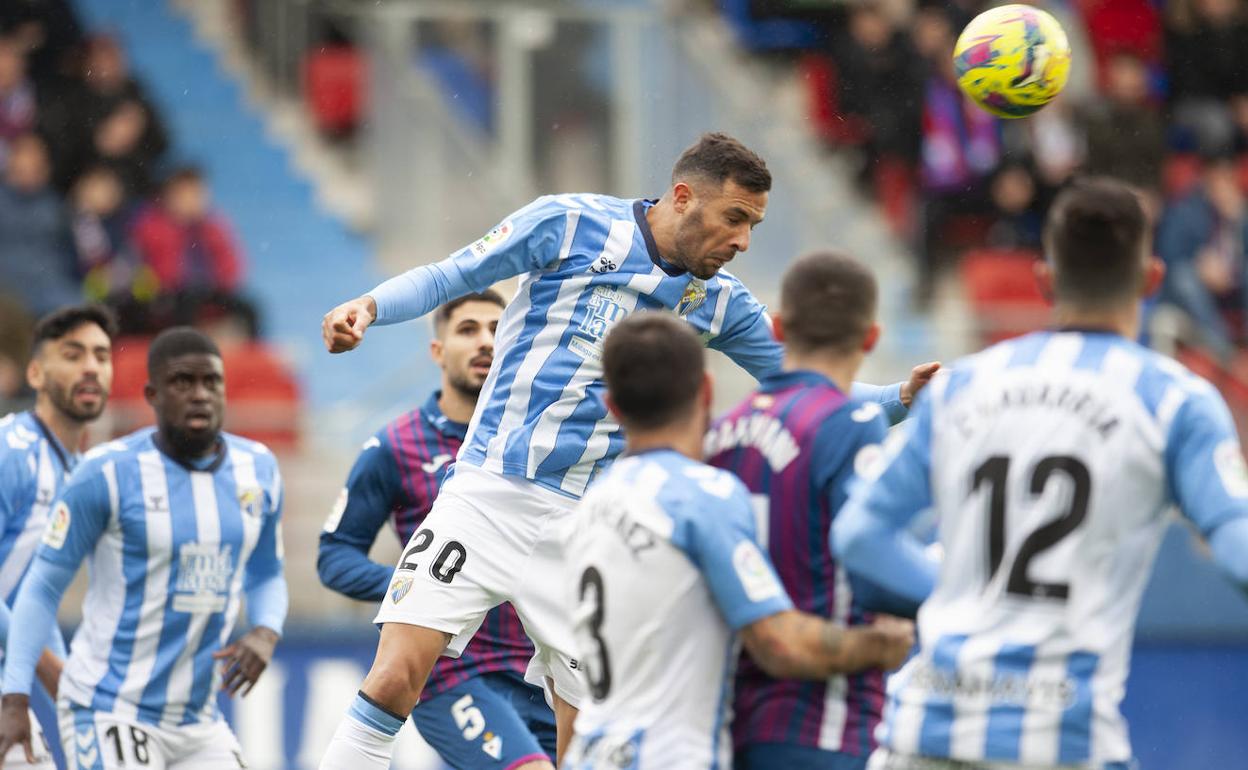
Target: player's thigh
(766, 756)
(542, 600)
(98, 740)
(453, 570)
(474, 726)
(210, 746)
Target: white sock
(364, 739)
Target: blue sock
(369, 712)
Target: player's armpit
(797, 645)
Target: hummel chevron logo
(87, 758)
(86, 738)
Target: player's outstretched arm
(797, 645)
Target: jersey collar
(432, 414)
(67, 459)
(639, 213)
(793, 377)
(209, 464)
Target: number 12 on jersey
(995, 473)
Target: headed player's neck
(455, 404)
(1122, 319)
(838, 367)
(684, 436)
(68, 431)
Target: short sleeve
(720, 540)
(1205, 463)
(80, 515)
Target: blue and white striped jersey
(33, 469)
(171, 550)
(666, 569)
(585, 261)
(1051, 461)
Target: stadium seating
(1003, 292)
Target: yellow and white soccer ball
(1012, 60)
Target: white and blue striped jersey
(666, 569)
(33, 469)
(1051, 461)
(588, 261)
(585, 261)
(171, 550)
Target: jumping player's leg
(476, 725)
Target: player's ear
(708, 390)
(1044, 278)
(34, 374)
(149, 394)
(682, 194)
(435, 350)
(777, 326)
(1154, 277)
(612, 408)
(872, 337)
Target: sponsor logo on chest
(204, 574)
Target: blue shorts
(494, 721)
(767, 756)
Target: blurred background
(244, 165)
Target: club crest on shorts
(694, 296)
(399, 588)
(250, 500)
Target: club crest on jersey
(694, 296)
(58, 527)
(251, 500)
(399, 588)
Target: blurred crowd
(1158, 96)
(92, 203)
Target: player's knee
(405, 656)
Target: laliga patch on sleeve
(58, 527)
(869, 462)
(490, 242)
(335, 515)
(1228, 458)
(752, 570)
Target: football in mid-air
(1012, 60)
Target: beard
(466, 385)
(687, 242)
(190, 444)
(63, 399)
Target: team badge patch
(399, 588)
(58, 527)
(1228, 458)
(752, 571)
(493, 239)
(251, 501)
(695, 295)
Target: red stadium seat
(1004, 293)
(334, 88)
(822, 81)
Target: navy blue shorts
(771, 756)
(494, 721)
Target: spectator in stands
(48, 32)
(1125, 133)
(1017, 217)
(36, 248)
(188, 247)
(961, 147)
(16, 338)
(107, 85)
(875, 59)
(119, 141)
(17, 95)
(1202, 238)
(1206, 42)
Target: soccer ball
(1012, 60)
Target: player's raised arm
(78, 519)
(530, 239)
(869, 534)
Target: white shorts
(16, 756)
(489, 539)
(99, 740)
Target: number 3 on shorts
(445, 567)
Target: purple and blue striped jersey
(794, 443)
(395, 479)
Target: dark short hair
(181, 175)
(442, 316)
(718, 158)
(60, 322)
(827, 302)
(654, 366)
(176, 342)
(1095, 238)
